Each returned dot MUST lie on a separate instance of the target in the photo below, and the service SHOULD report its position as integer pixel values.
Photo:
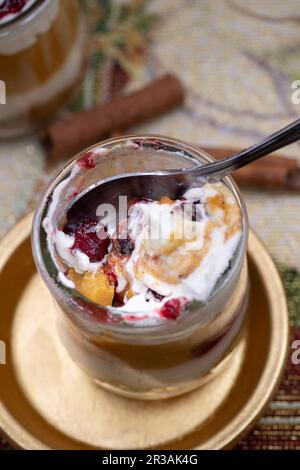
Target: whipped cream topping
(59, 242)
(174, 253)
(205, 257)
(73, 258)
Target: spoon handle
(279, 139)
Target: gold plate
(48, 403)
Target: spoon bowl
(174, 183)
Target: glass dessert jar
(41, 60)
(139, 359)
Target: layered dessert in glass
(151, 294)
(41, 60)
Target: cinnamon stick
(67, 137)
(270, 172)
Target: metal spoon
(174, 182)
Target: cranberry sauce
(171, 309)
(11, 7)
(88, 241)
(90, 237)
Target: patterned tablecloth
(237, 60)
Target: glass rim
(23, 17)
(64, 172)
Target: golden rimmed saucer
(48, 403)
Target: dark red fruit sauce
(87, 239)
(87, 161)
(9, 7)
(171, 309)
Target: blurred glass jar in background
(41, 60)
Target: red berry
(87, 241)
(171, 309)
(87, 161)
